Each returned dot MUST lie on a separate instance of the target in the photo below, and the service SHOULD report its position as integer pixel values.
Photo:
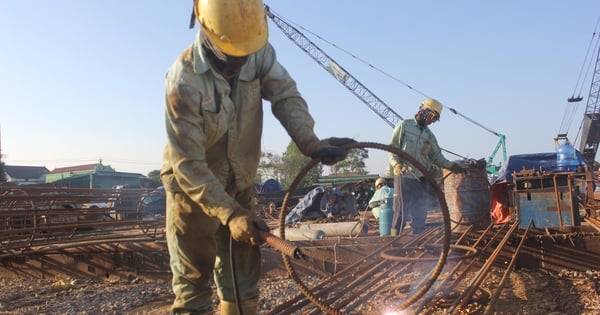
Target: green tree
(293, 162)
(153, 179)
(354, 164)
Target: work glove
(456, 168)
(244, 227)
(329, 151)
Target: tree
(153, 179)
(293, 162)
(353, 164)
(270, 166)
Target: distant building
(92, 176)
(25, 175)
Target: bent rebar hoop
(426, 285)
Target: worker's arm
(287, 104)
(290, 108)
(396, 142)
(436, 156)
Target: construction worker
(413, 194)
(375, 201)
(214, 118)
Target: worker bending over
(214, 118)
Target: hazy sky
(84, 80)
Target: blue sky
(82, 80)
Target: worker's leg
(192, 250)
(248, 307)
(246, 268)
(402, 199)
(419, 204)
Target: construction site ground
(526, 291)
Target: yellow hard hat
(236, 27)
(432, 104)
(379, 181)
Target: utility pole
(2, 171)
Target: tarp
(310, 201)
(271, 185)
(500, 210)
(543, 162)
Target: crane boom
(337, 71)
(590, 136)
(340, 74)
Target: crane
(362, 92)
(338, 72)
(590, 136)
(590, 124)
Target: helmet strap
(226, 65)
(193, 17)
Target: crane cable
(586, 60)
(585, 69)
(410, 87)
(350, 54)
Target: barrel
(386, 214)
(468, 196)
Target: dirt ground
(526, 292)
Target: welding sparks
(395, 312)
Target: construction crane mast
(590, 136)
(338, 72)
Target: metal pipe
(295, 234)
(574, 214)
(351, 229)
(556, 195)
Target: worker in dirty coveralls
(413, 194)
(214, 118)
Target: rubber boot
(249, 307)
(211, 312)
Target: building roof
(77, 168)
(25, 172)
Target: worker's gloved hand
(399, 169)
(329, 151)
(244, 227)
(456, 168)
(338, 142)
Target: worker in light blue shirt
(414, 194)
(382, 193)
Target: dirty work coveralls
(210, 163)
(413, 195)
